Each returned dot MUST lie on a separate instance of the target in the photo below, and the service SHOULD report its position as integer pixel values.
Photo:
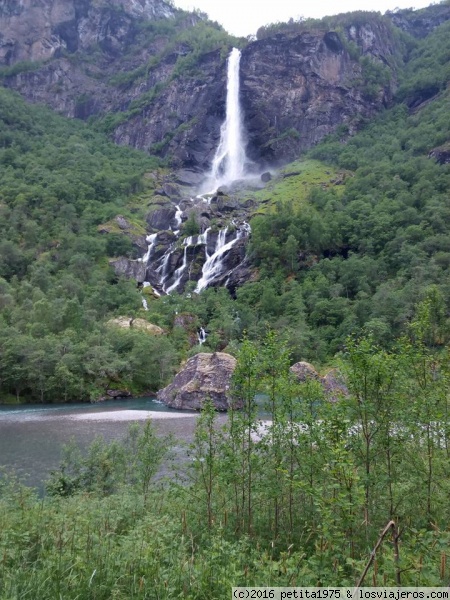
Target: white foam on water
(129, 415)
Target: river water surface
(32, 436)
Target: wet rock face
(205, 376)
(161, 218)
(296, 89)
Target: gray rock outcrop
(140, 324)
(333, 383)
(205, 376)
(129, 268)
(298, 87)
(419, 23)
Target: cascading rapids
(228, 165)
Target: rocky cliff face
(297, 88)
(215, 256)
(421, 22)
(38, 31)
(115, 58)
(111, 60)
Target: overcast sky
(243, 17)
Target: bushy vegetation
(364, 251)
(301, 500)
(58, 182)
(428, 71)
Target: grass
(294, 183)
(136, 228)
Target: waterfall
(178, 219)
(151, 239)
(163, 269)
(228, 163)
(214, 263)
(201, 336)
(179, 272)
(144, 301)
(202, 239)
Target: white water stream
(179, 272)
(213, 265)
(229, 161)
(201, 336)
(228, 165)
(178, 219)
(151, 239)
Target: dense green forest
(59, 181)
(353, 256)
(360, 254)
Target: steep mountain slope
(113, 60)
(346, 243)
(364, 252)
(153, 77)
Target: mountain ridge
(157, 83)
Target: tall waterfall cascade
(170, 261)
(230, 160)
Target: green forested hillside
(350, 251)
(365, 251)
(58, 181)
(351, 243)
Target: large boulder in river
(205, 376)
(304, 370)
(333, 383)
